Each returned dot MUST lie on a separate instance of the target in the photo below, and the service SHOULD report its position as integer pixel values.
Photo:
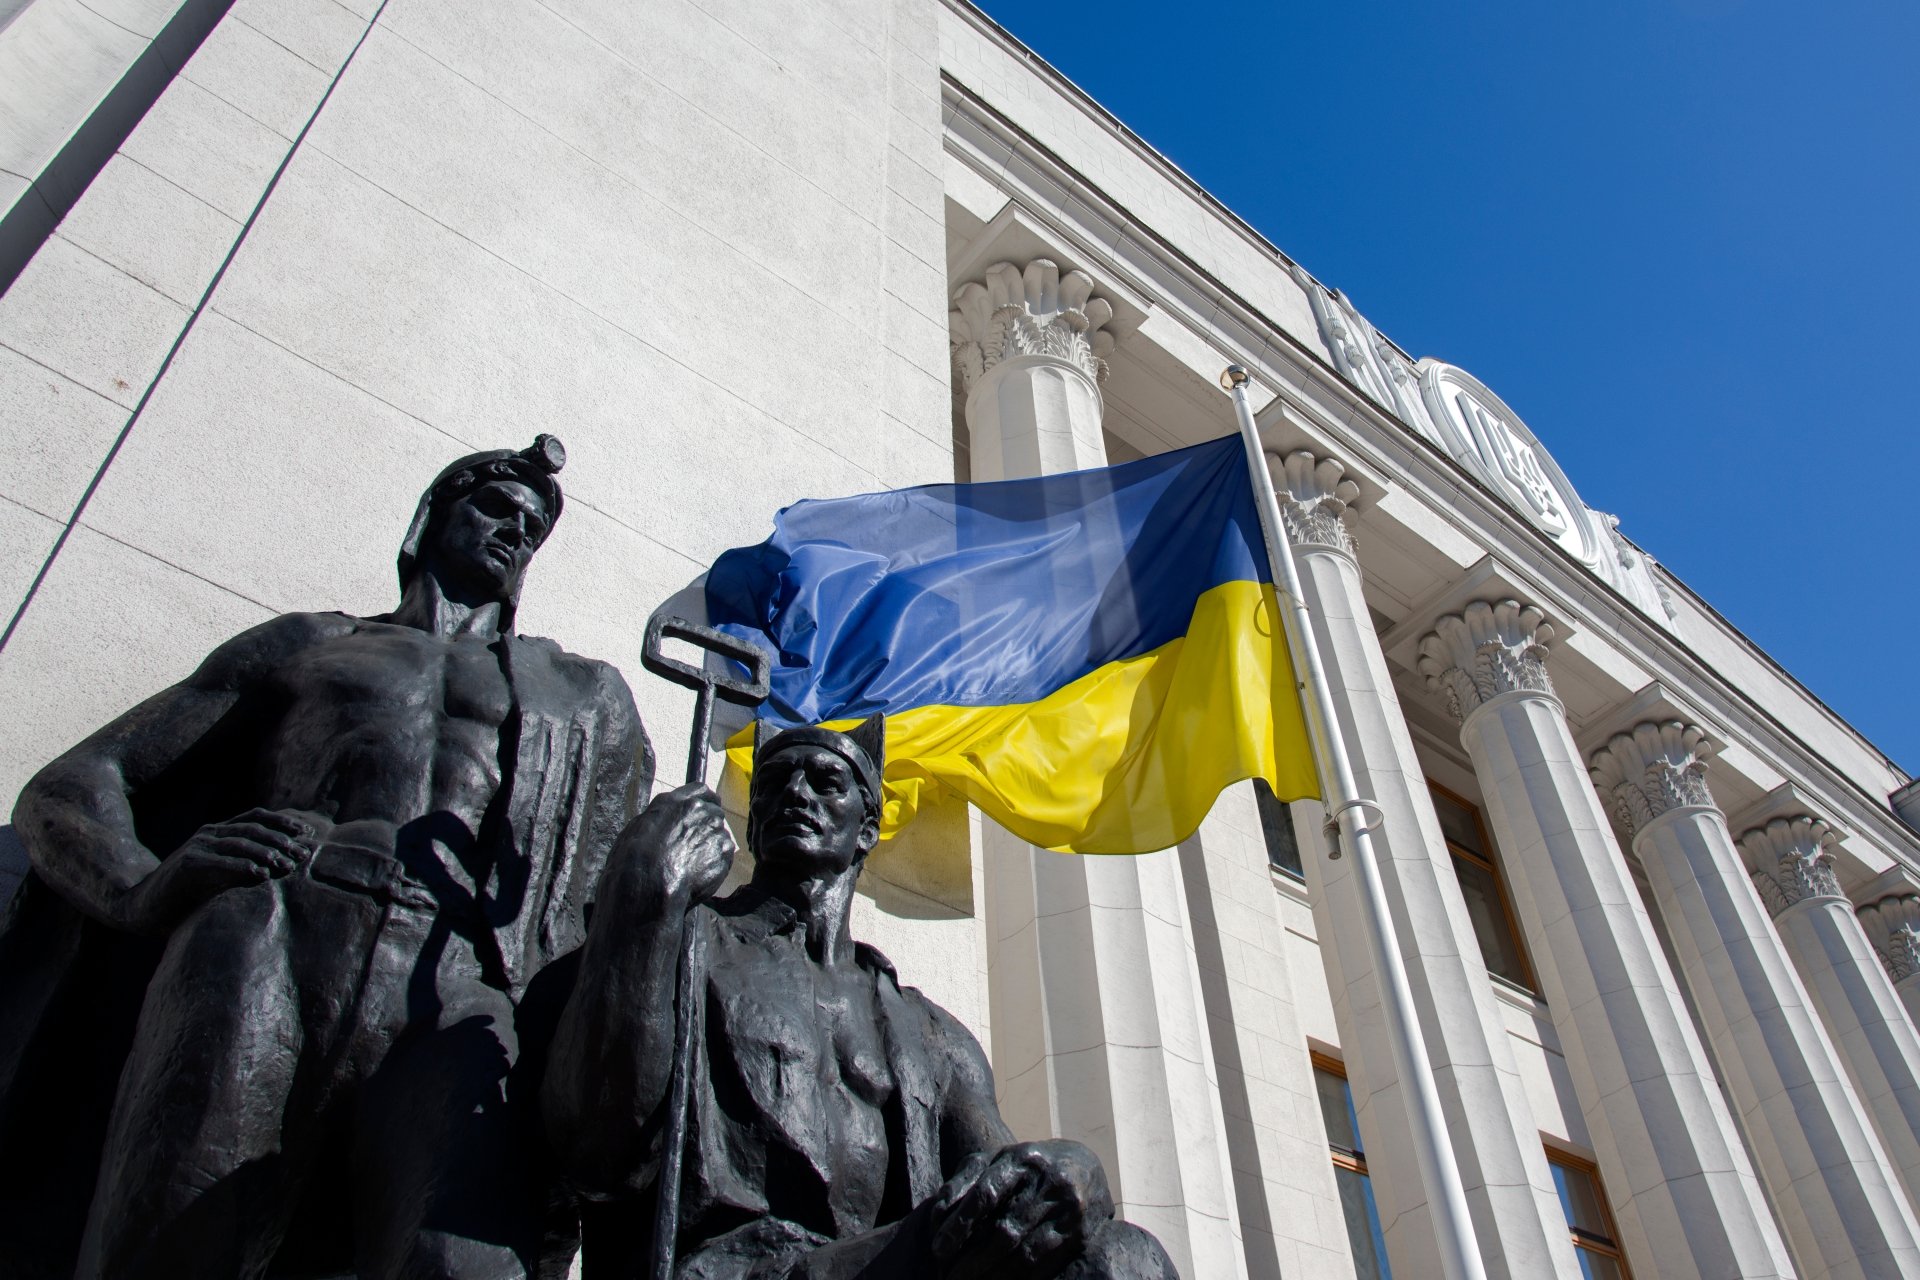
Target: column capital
(1314, 494)
(1655, 767)
(1036, 310)
(1792, 861)
(1488, 648)
(1892, 925)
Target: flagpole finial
(1234, 375)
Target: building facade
(269, 264)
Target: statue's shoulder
(576, 666)
(265, 647)
(942, 1026)
(592, 683)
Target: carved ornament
(1791, 861)
(1659, 766)
(1033, 311)
(1893, 927)
(1455, 411)
(1488, 648)
(1314, 495)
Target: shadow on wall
(93, 140)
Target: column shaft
(1851, 992)
(1510, 1192)
(1099, 1027)
(1683, 1193)
(1837, 1199)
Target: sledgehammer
(692, 977)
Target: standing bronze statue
(258, 998)
(838, 1124)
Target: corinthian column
(1851, 992)
(1510, 1192)
(1682, 1191)
(1030, 353)
(1839, 1202)
(1099, 1030)
(1892, 923)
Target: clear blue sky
(1677, 236)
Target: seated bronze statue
(838, 1124)
(260, 996)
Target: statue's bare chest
(807, 1053)
(390, 722)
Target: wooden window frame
(1354, 1160)
(1491, 865)
(1606, 1246)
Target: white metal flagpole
(1446, 1198)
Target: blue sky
(1677, 236)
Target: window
(1276, 824)
(1581, 1199)
(1350, 1170)
(1480, 884)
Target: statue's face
(809, 814)
(485, 538)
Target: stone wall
(700, 242)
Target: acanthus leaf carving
(1315, 496)
(1488, 648)
(1791, 861)
(1037, 310)
(1656, 767)
(1893, 927)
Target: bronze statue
(292, 906)
(838, 1124)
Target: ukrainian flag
(1089, 657)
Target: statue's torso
(381, 727)
(801, 1044)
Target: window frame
(1490, 863)
(1352, 1160)
(1263, 796)
(1607, 1246)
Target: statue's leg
(1121, 1251)
(218, 1108)
(448, 1182)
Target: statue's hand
(1025, 1213)
(260, 844)
(678, 846)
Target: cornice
(1090, 107)
(1354, 426)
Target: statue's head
(814, 806)
(480, 521)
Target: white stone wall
(700, 242)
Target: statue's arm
(612, 1058)
(75, 816)
(970, 1122)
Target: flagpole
(1446, 1198)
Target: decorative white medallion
(1489, 438)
